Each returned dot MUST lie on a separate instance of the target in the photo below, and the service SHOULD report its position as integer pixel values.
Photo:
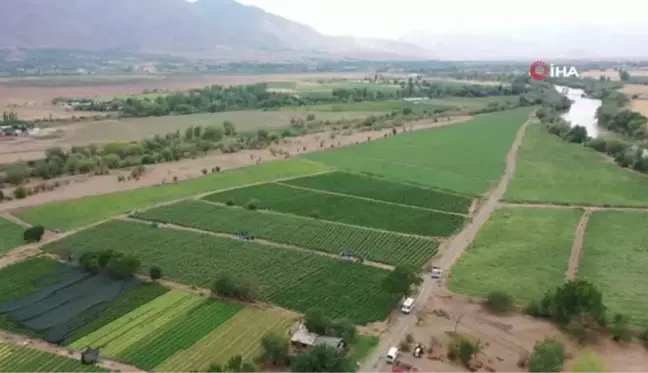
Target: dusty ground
(577, 246)
(613, 75)
(190, 168)
(641, 106)
(506, 339)
(638, 89)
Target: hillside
(206, 28)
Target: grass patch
(551, 170)
(384, 190)
(522, 252)
(344, 209)
(76, 213)
(320, 235)
(615, 258)
(363, 347)
(290, 278)
(22, 359)
(11, 235)
(466, 157)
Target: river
(582, 111)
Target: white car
(436, 272)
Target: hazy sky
(391, 19)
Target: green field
(615, 258)
(290, 278)
(523, 252)
(428, 105)
(240, 335)
(11, 235)
(22, 359)
(130, 129)
(384, 190)
(467, 157)
(76, 213)
(149, 335)
(552, 170)
(344, 209)
(314, 234)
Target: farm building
(304, 338)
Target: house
(305, 339)
(90, 356)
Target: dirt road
(449, 253)
(577, 246)
(67, 352)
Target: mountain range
(206, 28)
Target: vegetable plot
(11, 235)
(320, 235)
(344, 209)
(384, 190)
(21, 359)
(197, 259)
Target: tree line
(613, 115)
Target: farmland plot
(283, 274)
(151, 334)
(344, 209)
(79, 212)
(240, 335)
(320, 235)
(22, 359)
(466, 157)
(384, 190)
(11, 235)
(614, 258)
(523, 252)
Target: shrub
(500, 302)
(644, 337)
(548, 356)
(253, 204)
(204, 171)
(20, 192)
(230, 203)
(34, 234)
(155, 273)
(121, 178)
(620, 329)
(229, 286)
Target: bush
(253, 204)
(123, 266)
(34, 234)
(620, 329)
(229, 286)
(20, 192)
(204, 171)
(644, 337)
(230, 203)
(155, 273)
(500, 302)
(548, 356)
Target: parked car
(436, 272)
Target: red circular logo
(539, 70)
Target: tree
(574, 302)
(401, 279)
(234, 364)
(89, 261)
(229, 286)
(124, 266)
(500, 302)
(316, 321)
(624, 75)
(621, 329)
(548, 356)
(230, 129)
(275, 349)
(343, 328)
(224, 285)
(104, 257)
(17, 173)
(34, 234)
(323, 359)
(2, 195)
(155, 273)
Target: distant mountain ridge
(205, 28)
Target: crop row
(384, 190)
(344, 209)
(320, 235)
(22, 359)
(240, 335)
(196, 259)
(12, 235)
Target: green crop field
(11, 235)
(523, 252)
(76, 213)
(290, 278)
(240, 335)
(344, 209)
(149, 335)
(314, 234)
(615, 258)
(552, 170)
(22, 359)
(384, 190)
(130, 129)
(427, 105)
(467, 157)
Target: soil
(80, 186)
(577, 246)
(67, 352)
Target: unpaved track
(261, 241)
(577, 246)
(67, 352)
(449, 253)
(555, 206)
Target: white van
(392, 355)
(407, 306)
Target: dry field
(506, 338)
(81, 186)
(640, 106)
(462, 81)
(610, 73)
(636, 89)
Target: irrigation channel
(582, 111)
